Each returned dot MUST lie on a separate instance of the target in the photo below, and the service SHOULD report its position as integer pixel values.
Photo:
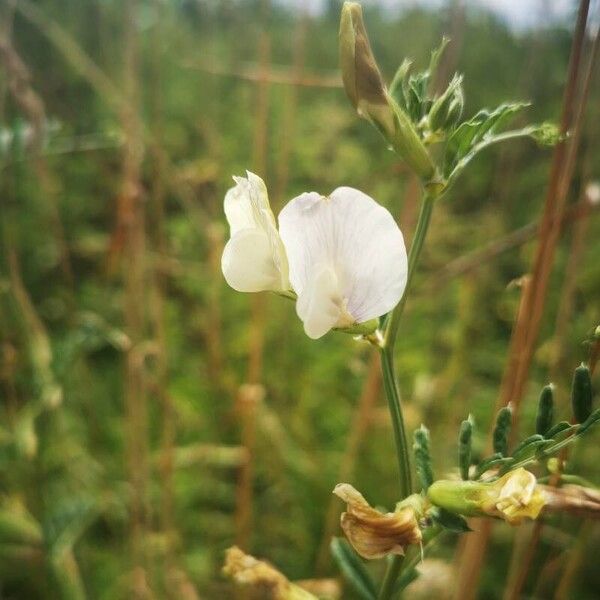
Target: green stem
(391, 387)
(393, 397)
(391, 575)
(391, 328)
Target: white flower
(254, 259)
(346, 256)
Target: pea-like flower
(346, 255)
(374, 534)
(513, 497)
(254, 259)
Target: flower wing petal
(247, 262)
(318, 304)
(238, 209)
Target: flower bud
(447, 109)
(545, 414)
(513, 497)
(581, 394)
(374, 534)
(367, 92)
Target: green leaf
(423, 457)
(465, 439)
(545, 412)
(560, 427)
(495, 460)
(589, 422)
(353, 569)
(528, 447)
(502, 430)
(399, 85)
(581, 393)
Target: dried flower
(513, 497)
(250, 572)
(374, 534)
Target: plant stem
(391, 328)
(391, 386)
(391, 575)
(393, 398)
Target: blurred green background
(151, 416)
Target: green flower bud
(502, 430)
(367, 92)
(423, 456)
(581, 393)
(545, 413)
(447, 109)
(547, 134)
(465, 438)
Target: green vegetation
(151, 416)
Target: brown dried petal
(374, 534)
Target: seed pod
(423, 457)
(581, 393)
(502, 430)
(545, 413)
(465, 438)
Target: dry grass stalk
(473, 260)
(517, 581)
(523, 339)
(288, 125)
(527, 326)
(282, 75)
(249, 398)
(251, 393)
(131, 213)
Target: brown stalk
(516, 583)
(473, 260)
(286, 141)
(131, 210)
(361, 422)
(158, 243)
(523, 339)
(282, 75)
(247, 402)
(569, 288)
(527, 326)
(471, 549)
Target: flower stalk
(391, 387)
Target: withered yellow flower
(374, 534)
(513, 497)
(516, 496)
